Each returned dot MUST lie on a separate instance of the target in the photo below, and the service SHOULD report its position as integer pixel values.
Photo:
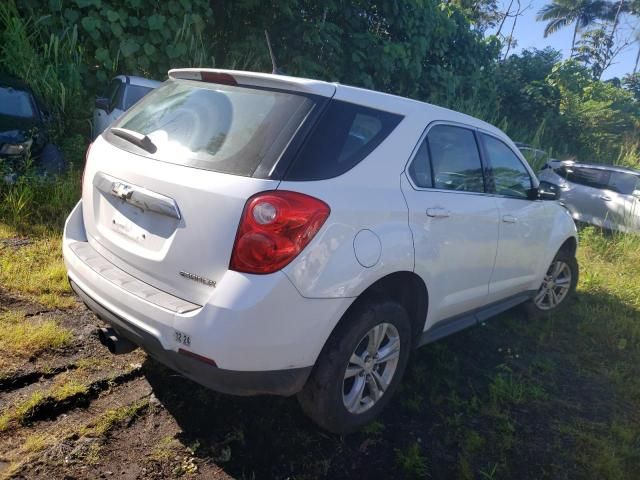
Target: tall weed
(51, 63)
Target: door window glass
(135, 93)
(455, 159)
(510, 176)
(344, 136)
(625, 183)
(591, 177)
(420, 169)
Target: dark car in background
(23, 132)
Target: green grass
(412, 461)
(111, 418)
(22, 338)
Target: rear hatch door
(166, 209)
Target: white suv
(269, 234)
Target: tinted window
(215, 127)
(420, 168)
(625, 183)
(455, 159)
(112, 91)
(510, 176)
(591, 177)
(135, 93)
(345, 134)
(118, 99)
(16, 103)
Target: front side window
(216, 127)
(510, 176)
(115, 86)
(591, 177)
(135, 93)
(455, 159)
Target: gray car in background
(602, 195)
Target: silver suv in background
(121, 94)
(602, 195)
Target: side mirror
(548, 191)
(102, 103)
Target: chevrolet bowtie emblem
(121, 190)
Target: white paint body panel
(282, 320)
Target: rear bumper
(263, 336)
(274, 382)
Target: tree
(581, 13)
(632, 84)
(597, 50)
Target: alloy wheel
(371, 368)
(555, 286)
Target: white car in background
(121, 94)
(603, 195)
(265, 234)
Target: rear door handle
(509, 219)
(437, 212)
(606, 198)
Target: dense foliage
(430, 50)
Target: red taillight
(274, 228)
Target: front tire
(558, 287)
(359, 368)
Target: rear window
(345, 134)
(216, 127)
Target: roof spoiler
(254, 79)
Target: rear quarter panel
(366, 197)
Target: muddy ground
(494, 401)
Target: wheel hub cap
(371, 368)
(555, 286)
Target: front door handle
(437, 212)
(509, 219)
(606, 198)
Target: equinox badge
(199, 279)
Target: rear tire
(359, 368)
(558, 287)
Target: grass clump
(111, 418)
(27, 338)
(36, 270)
(412, 461)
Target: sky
(530, 33)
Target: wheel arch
(404, 287)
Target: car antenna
(276, 70)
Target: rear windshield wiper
(136, 138)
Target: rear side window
(420, 168)
(455, 159)
(510, 176)
(345, 134)
(216, 127)
(624, 183)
